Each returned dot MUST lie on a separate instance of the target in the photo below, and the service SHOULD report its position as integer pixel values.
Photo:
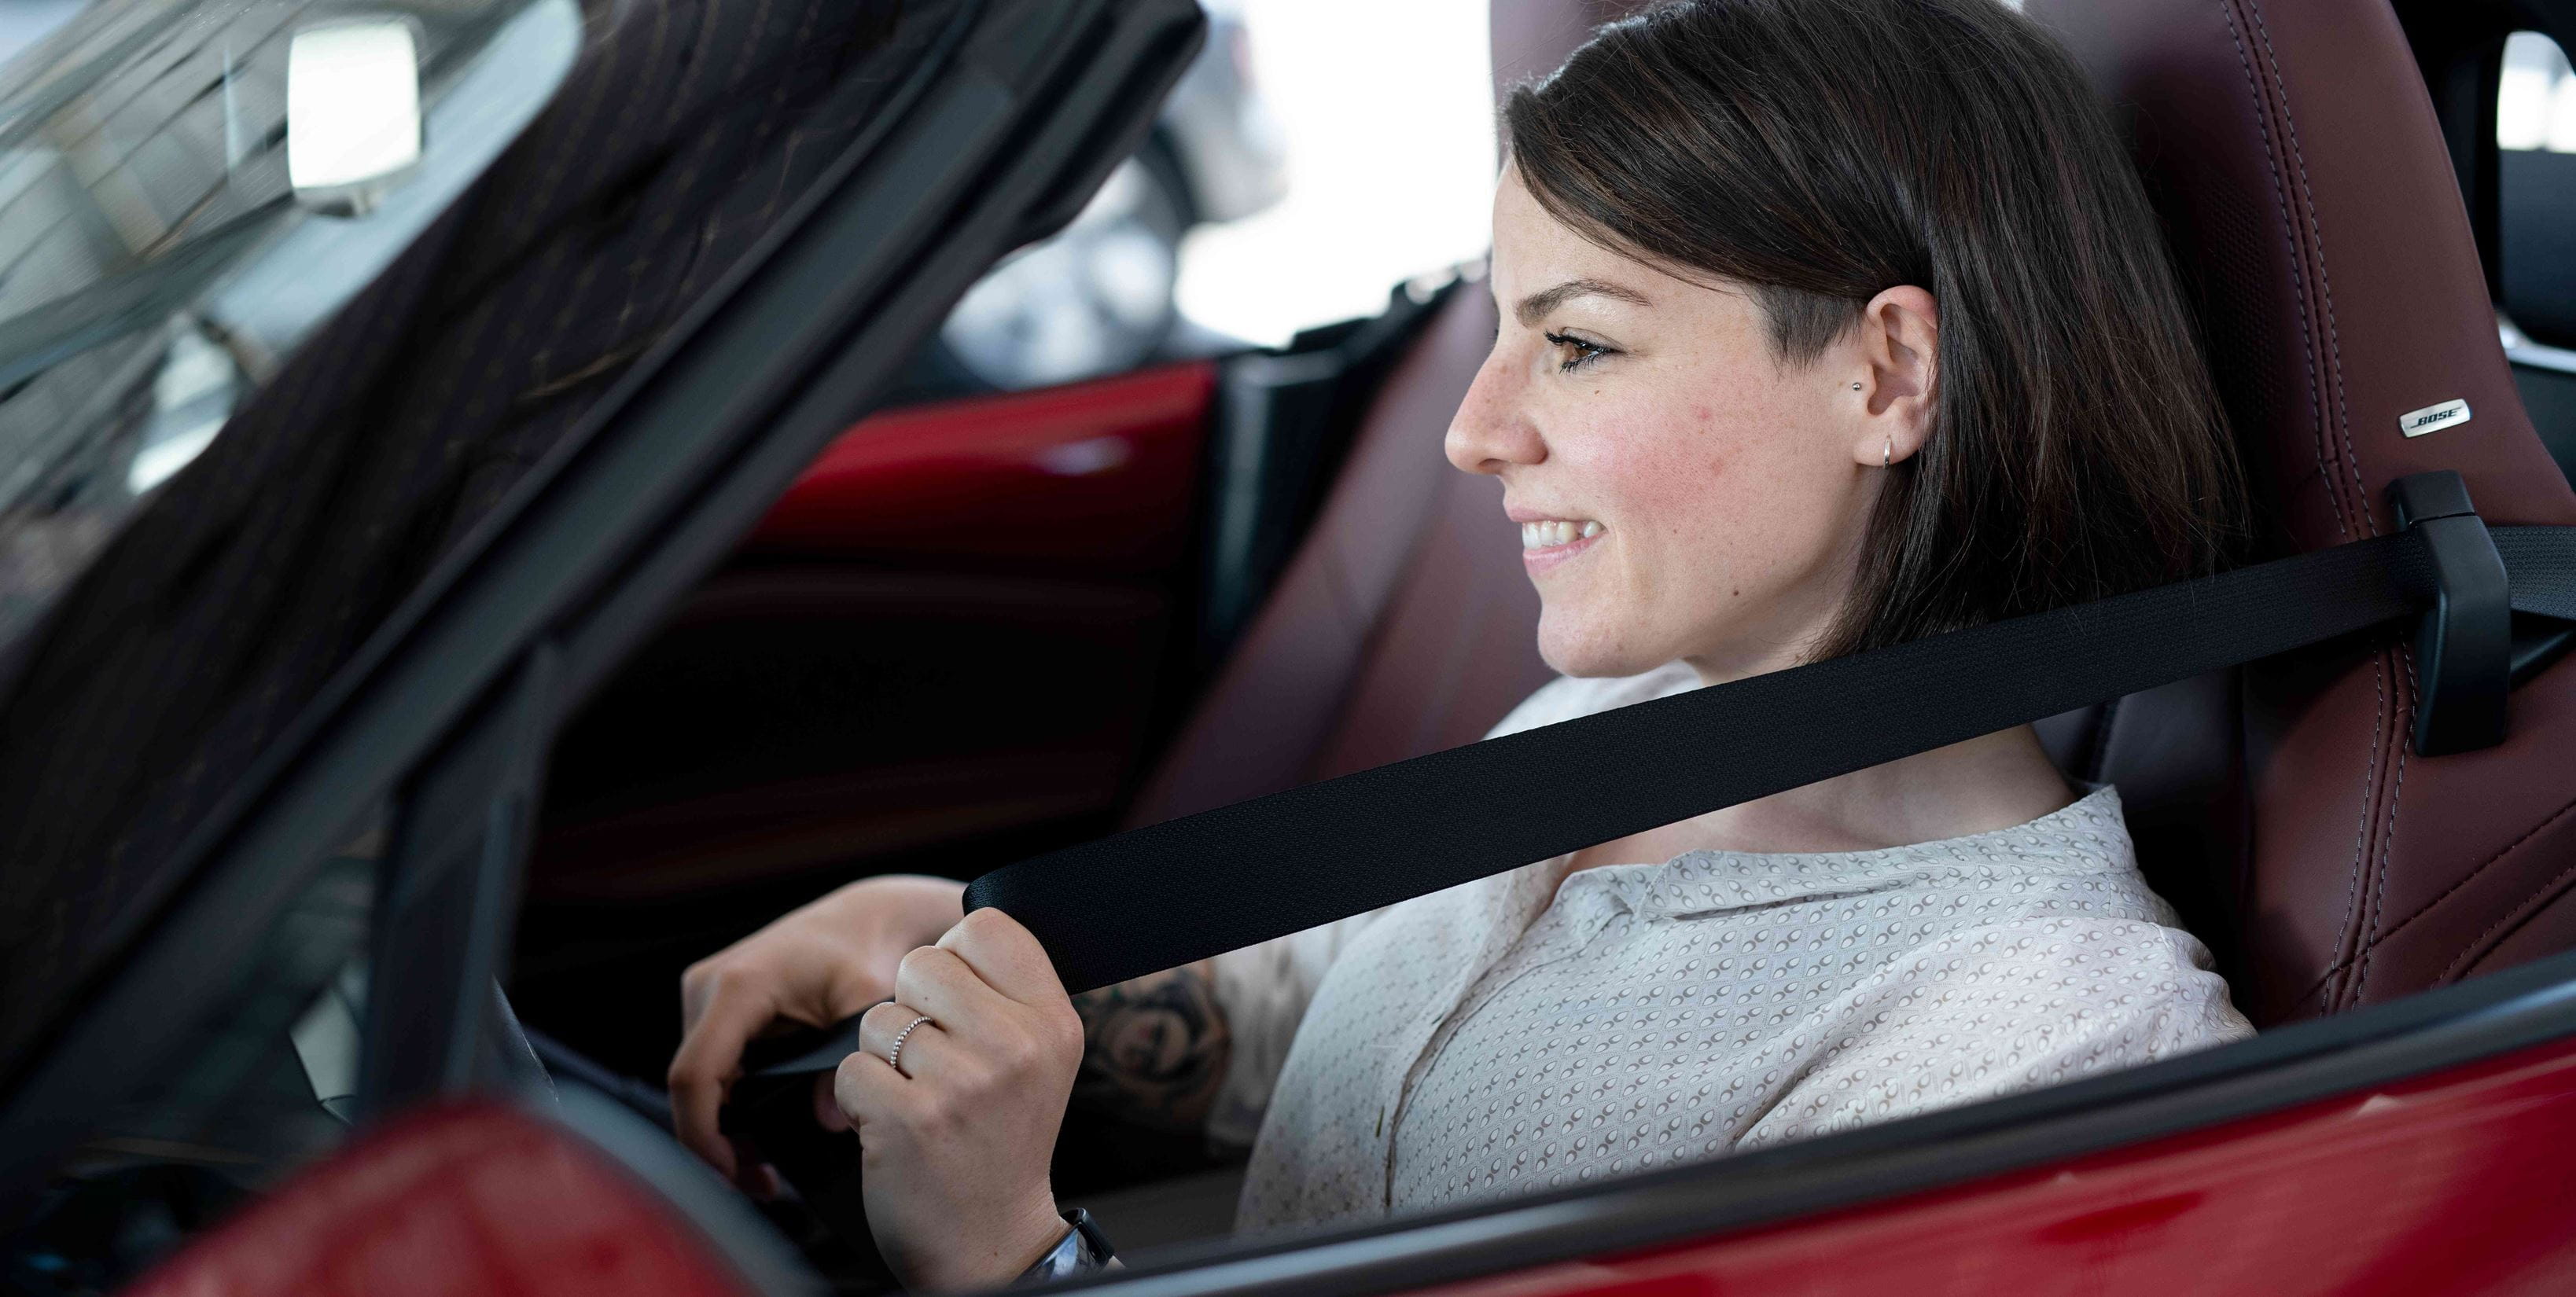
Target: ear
(1897, 369)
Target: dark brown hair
(1819, 151)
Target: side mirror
(352, 111)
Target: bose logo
(2415, 423)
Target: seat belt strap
(1172, 893)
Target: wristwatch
(1083, 1250)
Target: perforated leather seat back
(2301, 175)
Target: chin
(1584, 647)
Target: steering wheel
(771, 1108)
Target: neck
(1991, 782)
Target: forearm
(1155, 1049)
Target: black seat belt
(1172, 893)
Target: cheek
(1700, 486)
(1725, 503)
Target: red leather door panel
(944, 647)
(1093, 476)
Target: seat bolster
(1281, 696)
(1464, 653)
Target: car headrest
(2316, 217)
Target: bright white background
(2536, 105)
(1386, 108)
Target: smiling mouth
(1553, 532)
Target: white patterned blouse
(1538, 1028)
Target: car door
(281, 734)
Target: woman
(1823, 326)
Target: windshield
(245, 440)
(188, 188)
(267, 398)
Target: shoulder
(1994, 1010)
(1567, 697)
(2134, 983)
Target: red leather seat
(1402, 625)
(2313, 209)
(2295, 158)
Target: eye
(1574, 353)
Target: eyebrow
(1536, 306)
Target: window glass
(288, 386)
(161, 252)
(2536, 234)
(1269, 200)
(2536, 226)
(1367, 206)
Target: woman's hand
(816, 965)
(955, 1145)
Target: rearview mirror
(352, 112)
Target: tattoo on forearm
(1154, 1050)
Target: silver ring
(894, 1052)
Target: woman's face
(1681, 491)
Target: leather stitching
(2514, 917)
(2323, 990)
(2298, 264)
(2388, 837)
(2334, 498)
(2354, 921)
(2301, 261)
(2325, 284)
(2483, 866)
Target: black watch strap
(1083, 1250)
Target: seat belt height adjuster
(2464, 642)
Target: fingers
(937, 982)
(867, 1091)
(709, 1058)
(1006, 956)
(886, 1023)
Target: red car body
(2451, 1183)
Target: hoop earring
(1888, 452)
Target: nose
(1493, 428)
